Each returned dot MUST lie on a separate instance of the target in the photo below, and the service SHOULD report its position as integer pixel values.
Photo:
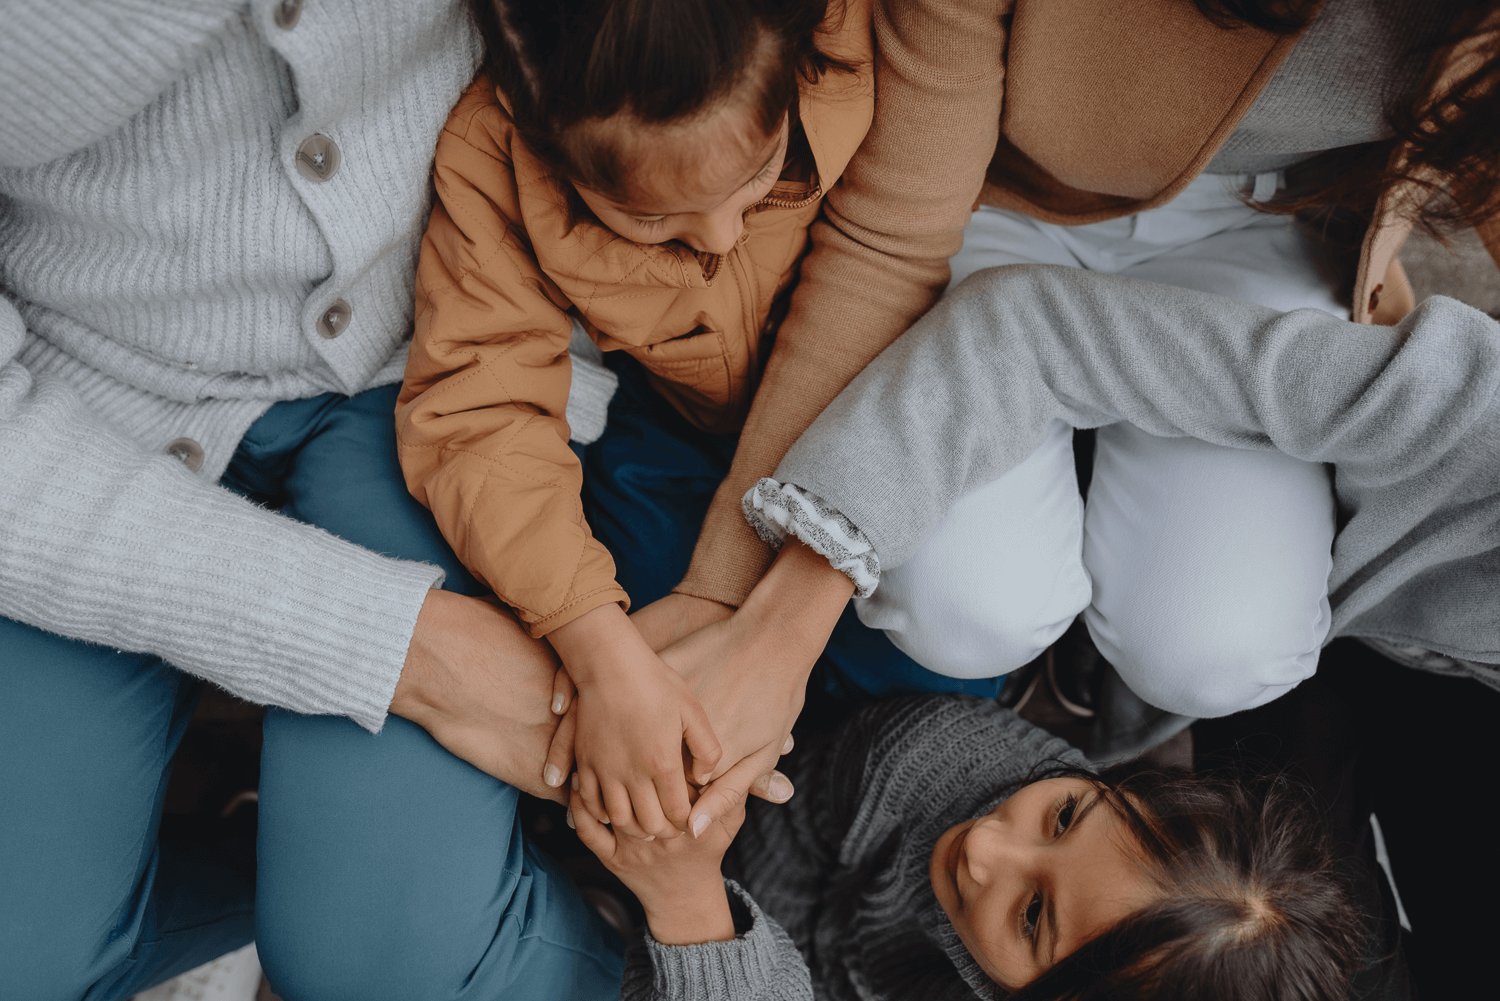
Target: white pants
(1201, 571)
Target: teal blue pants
(387, 868)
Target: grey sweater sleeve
(758, 964)
(58, 96)
(967, 393)
(106, 542)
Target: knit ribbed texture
(1321, 97)
(840, 873)
(170, 266)
(760, 964)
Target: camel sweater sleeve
(880, 249)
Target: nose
(992, 850)
(716, 233)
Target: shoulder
(480, 121)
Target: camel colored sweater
(1070, 111)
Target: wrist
(411, 697)
(594, 639)
(800, 598)
(691, 917)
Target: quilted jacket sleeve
(481, 426)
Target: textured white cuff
(776, 510)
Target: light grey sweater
(165, 267)
(831, 890)
(1356, 60)
(1408, 417)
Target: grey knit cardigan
(831, 890)
(165, 267)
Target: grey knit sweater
(1408, 417)
(831, 889)
(1357, 59)
(165, 267)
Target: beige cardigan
(1070, 111)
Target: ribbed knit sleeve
(74, 71)
(759, 964)
(106, 542)
(880, 251)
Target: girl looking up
(944, 848)
(636, 176)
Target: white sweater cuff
(776, 510)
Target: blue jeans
(647, 485)
(387, 867)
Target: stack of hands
(665, 720)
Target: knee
(1207, 669)
(965, 635)
(314, 952)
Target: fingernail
(575, 781)
(649, 837)
(700, 824)
(552, 775)
(570, 819)
(787, 747)
(557, 704)
(781, 788)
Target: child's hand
(677, 881)
(632, 714)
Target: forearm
(107, 543)
(880, 250)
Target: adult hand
(482, 687)
(667, 620)
(750, 671)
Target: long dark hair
(565, 65)
(1251, 909)
(1454, 139)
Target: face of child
(692, 182)
(1041, 874)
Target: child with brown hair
(635, 176)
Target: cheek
(997, 952)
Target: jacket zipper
(710, 262)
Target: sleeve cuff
(776, 510)
(760, 963)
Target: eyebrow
(758, 171)
(1083, 811)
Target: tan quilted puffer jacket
(505, 267)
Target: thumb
(727, 793)
(702, 743)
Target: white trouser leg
(1210, 569)
(1210, 564)
(1000, 577)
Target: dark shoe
(1022, 684)
(1075, 671)
(1124, 724)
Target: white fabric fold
(776, 510)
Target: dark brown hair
(1454, 138)
(567, 64)
(1251, 909)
